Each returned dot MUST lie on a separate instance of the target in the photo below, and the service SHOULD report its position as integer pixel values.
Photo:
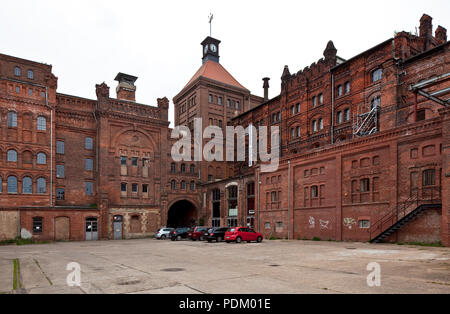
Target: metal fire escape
(366, 123)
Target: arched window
(314, 101)
(320, 124)
(376, 102)
(12, 184)
(41, 159)
(298, 108)
(41, 186)
(347, 115)
(173, 185)
(192, 186)
(12, 119)
(27, 185)
(339, 117)
(339, 90)
(41, 124)
(298, 131)
(292, 110)
(429, 177)
(292, 133)
(30, 74)
(320, 99)
(377, 75)
(347, 87)
(12, 155)
(183, 185)
(314, 126)
(173, 167)
(193, 169)
(183, 168)
(17, 71)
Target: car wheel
(179, 238)
(201, 239)
(193, 239)
(219, 239)
(238, 240)
(163, 237)
(259, 239)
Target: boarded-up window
(135, 225)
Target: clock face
(213, 48)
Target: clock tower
(210, 49)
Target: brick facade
(74, 165)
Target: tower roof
(216, 72)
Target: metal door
(91, 229)
(118, 225)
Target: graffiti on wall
(349, 223)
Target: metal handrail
(403, 209)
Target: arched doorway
(182, 214)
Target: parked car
(163, 233)
(180, 233)
(216, 234)
(199, 233)
(243, 234)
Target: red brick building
(365, 150)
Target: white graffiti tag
(312, 223)
(324, 224)
(349, 222)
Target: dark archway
(182, 214)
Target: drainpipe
(332, 108)
(289, 199)
(258, 192)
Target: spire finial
(210, 17)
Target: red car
(243, 234)
(198, 233)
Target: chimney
(441, 35)
(266, 88)
(426, 26)
(126, 90)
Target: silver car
(163, 233)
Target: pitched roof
(215, 71)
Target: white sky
(89, 41)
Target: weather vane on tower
(211, 16)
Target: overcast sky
(89, 41)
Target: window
(339, 90)
(315, 191)
(251, 198)
(27, 185)
(421, 115)
(320, 99)
(60, 147)
(314, 101)
(37, 224)
(183, 168)
(429, 177)
(292, 133)
(267, 225)
(298, 108)
(376, 102)
(339, 117)
(17, 71)
(210, 99)
(220, 101)
(347, 115)
(60, 194)
(41, 124)
(314, 126)
(30, 74)
(123, 161)
(12, 155)
(41, 159)
(298, 131)
(192, 186)
(228, 103)
(173, 168)
(134, 188)
(12, 184)
(377, 75)
(12, 119)
(89, 188)
(123, 187)
(43, 94)
(183, 185)
(292, 110)
(321, 124)
(364, 224)
(60, 171)
(134, 161)
(173, 185)
(193, 169)
(41, 186)
(89, 164)
(145, 188)
(30, 92)
(347, 87)
(210, 178)
(365, 185)
(89, 143)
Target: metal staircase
(366, 123)
(406, 212)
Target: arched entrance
(182, 214)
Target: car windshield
(233, 230)
(167, 230)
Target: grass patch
(316, 239)
(16, 275)
(436, 244)
(18, 241)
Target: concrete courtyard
(152, 266)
